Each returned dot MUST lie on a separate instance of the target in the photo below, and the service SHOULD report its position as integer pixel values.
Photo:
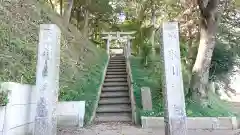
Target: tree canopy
(208, 29)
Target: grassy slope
(148, 77)
(81, 62)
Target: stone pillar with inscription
(47, 79)
(175, 113)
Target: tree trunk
(153, 21)
(68, 4)
(61, 7)
(78, 19)
(51, 4)
(97, 30)
(86, 20)
(200, 71)
(190, 49)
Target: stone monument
(47, 80)
(175, 114)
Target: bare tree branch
(51, 4)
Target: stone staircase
(114, 104)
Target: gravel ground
(127, 129)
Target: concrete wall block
(2, 115)
(81, 113)
(71, 113)
(33, 95)
(21, 130)
(18, 115)
(33, 109)
(211, 123)
(152, 122)
(67, 120)
(222, 123)
(235, 123)
(202, 123)
(68, 108)
(21, 110)
(18, 93)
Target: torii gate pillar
(108, 46)
(129, 48)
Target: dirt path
(126, 129)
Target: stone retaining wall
(99, 91)
(131, 91)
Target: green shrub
(3, 97)
(222, 60)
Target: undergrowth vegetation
(86, 88)
(150, 73)
(151, 77)
(81, 61)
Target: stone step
(121, 100)
(116, 73)
(117, 65)
(117, 56)
(113, 117)
(117, 88)
(123, 79)
(117, 60)
(116, 108)
(114, 94)
(117, 70)
(115, 76)
(113, 84)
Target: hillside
(81, 61)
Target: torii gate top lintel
(119, 36)
(119, 33)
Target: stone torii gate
(123, 36)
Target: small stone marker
(47, 80)
(146, 98)
(175, 113)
